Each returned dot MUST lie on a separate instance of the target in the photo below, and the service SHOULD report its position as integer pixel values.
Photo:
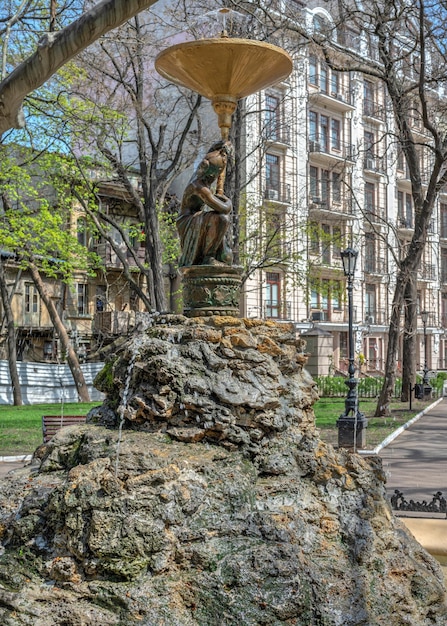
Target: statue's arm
(220, 204)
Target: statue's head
(215, 160)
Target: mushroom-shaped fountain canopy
(224, 66)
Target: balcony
(278, 310)
(375, 266)
(111, 259)
(427, 271)
(374, 214)
(341, 152)
(114, 322)
(277, 134)
(376, 316)
(373, 110)
(325, 207)
(374, 163)
(405, 223)
(339, 101)
(278, 193)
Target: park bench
(52, 423)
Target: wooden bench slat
(52, 423)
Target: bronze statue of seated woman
(204, 215)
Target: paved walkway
(8, 464)
(416, 461)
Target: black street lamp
(352, 423)
(427, 387)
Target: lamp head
(349, 260)
(424, 316)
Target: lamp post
(427, 387)
(352, 423)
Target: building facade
(331, 175)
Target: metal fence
(47, 382)
(335, 387)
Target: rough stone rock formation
(230, 511)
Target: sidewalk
(416, 461)
(10, 463)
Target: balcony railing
(374, 163)
(337, 205)
(112, 260)
(405, 222)
(278, 310)
(375, 266)
(374, 213)
(278, 193)
(372, 109)
(427, 271)
(341, 150)
(376, 316)
(277, 133)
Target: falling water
(123, 405)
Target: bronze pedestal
(211, 290)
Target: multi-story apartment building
(95, 308)
(332, 175)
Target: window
(335, 83)
(272, 171)
(368, 98)
(324, 130)
(336, 187)
(444, 265)
(101, 296)
(369, 143)
(370, 253)
(325, 240)
(81, 231)
(313, 70)
(370, 302)
(31, 299)
(322, 76)
(313, 126)
(344, 345)
(370, 194)
(272, 116)
(326, 296)
(326, 244)
(405, 209)
(321, 25)
(444, 311)
(272, 294)
(324, 186)
(335, 134)
(82, 299)
(443, 219)
(336, 295)
(400, 160)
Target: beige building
(331, 175)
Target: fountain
(224, 506)
(223, 70)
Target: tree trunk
(409, 339)
(72, 359)
(11, 338)
(233, 180)
(56, 49)
(383, 403)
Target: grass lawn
(328, 410)
(21, 426)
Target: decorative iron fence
(370, 387)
